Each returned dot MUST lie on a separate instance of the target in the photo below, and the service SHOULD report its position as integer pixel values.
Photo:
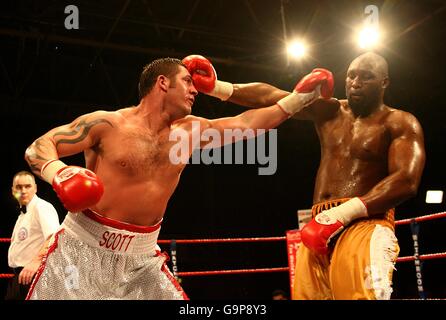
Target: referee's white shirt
(31, 230)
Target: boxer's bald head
(373, 62)
(367, 79)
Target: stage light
(296, 49)
(370, 32)
(434, 196)
(369, 38)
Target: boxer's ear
(163, 82)
(385, 82)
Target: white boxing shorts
(93, 257)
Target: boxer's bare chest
(351, 139)
(138, 151)
(354, 156)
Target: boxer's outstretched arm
(406, 159)
(314, 85)
(251, 120)
(256, 95)
(259, 95)
(66, 140)
(264, 118)
(252, 95)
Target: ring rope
(423, 257)
(267, 239)
(187, 241)
(422, 218)
(268, 270)
(281, 269)
(238, 271)
(270, 239)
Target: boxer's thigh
(311, 277)
(363, 261)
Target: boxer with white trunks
(95, 257)
(105, 249)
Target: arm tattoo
(83, 127)
(33, 155)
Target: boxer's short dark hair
(164, 66)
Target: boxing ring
(292, 243)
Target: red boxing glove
(77, 188)
(318, 83)
(316, 234)
(318, 76)
(202, 71)
(205, 77)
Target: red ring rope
(270, 239)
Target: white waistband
(110, 238)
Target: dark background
(50, 75)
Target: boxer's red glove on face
(77, 188)
(316, 234)
(205, 77)
(317, 77)
(317, 84)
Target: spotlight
(296, 49)
(368, 38)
